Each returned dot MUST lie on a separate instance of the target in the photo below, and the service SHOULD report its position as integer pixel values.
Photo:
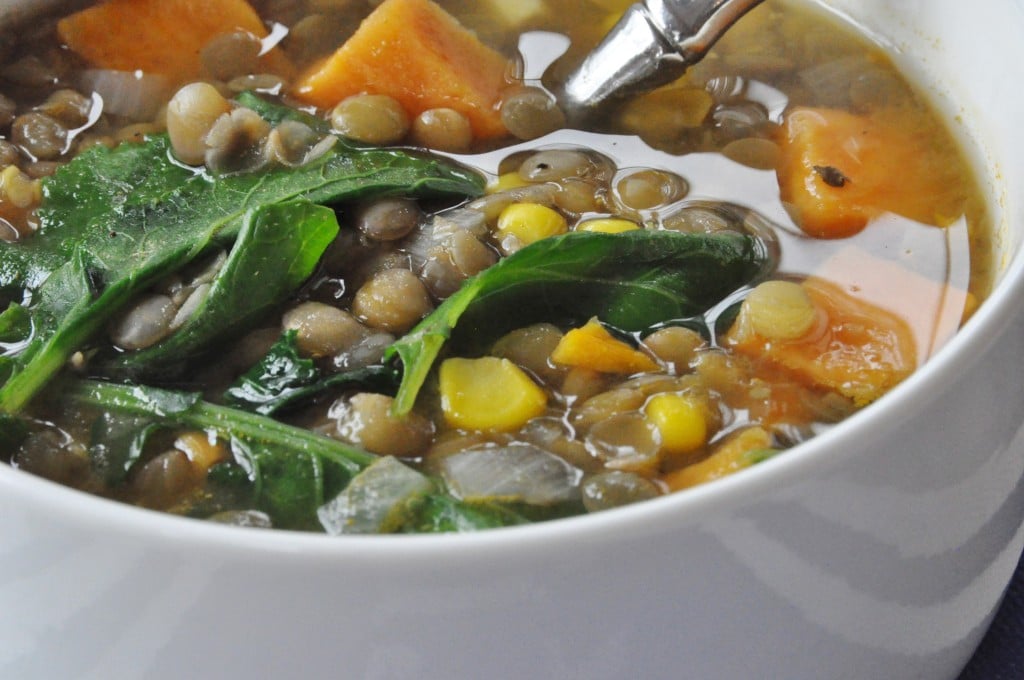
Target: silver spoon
(652, 44)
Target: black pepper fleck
(832, 176)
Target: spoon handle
(651, 45)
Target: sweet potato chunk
(856, 349)
(160, 36)
(932, 310)
(839, 170)
(739, 451)
(416, 52)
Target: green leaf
(15, 323)
(278, 373)
(117, 442)
(282, 378)
(289, 488)
(13, 432)
(289, 470)
(278, 248)
(441, 514)
(630, 281)
(186, 408)
(276, 113)
(760, 455)
(115, 221)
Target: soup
(279, 280)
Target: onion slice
(518, 473)
(375, 500)
(134, 95)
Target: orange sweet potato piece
(932, 310)
(857, 349)
(592, 346)
(160, 36)
(839, 170)
(740, 450)
(419, 54)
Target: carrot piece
(160, 36)
(419, 54)
(593, 347)
(857, 349)
(839, 170)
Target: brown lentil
(370, 118)
(392, 300)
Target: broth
(775, 241)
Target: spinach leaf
(13, 431)
(440, 513)
(171, 407)
(282, 378)
(277, 249)
(289, 470)
(631, 281)
(289, 473)
(116, 444)
(115, 221)
(276, 113)
(289, 488)
(279, 373)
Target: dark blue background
(1001, 654)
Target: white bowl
(878, 550)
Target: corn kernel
(607, 225)
(662, 113)
(19, 188)
(510, 180)
(680, 421)
(488, 394)
(203, 449)
(512, 15)
(528, 223)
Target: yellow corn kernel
(488, 394)
(18, 188)
(510, 180)
(511, 15)
(607, 225)
(663, 112)
(739, 451)
(203, 449)
(593, 347)
(527, 223)
(680, 421)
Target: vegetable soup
(348, 266)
